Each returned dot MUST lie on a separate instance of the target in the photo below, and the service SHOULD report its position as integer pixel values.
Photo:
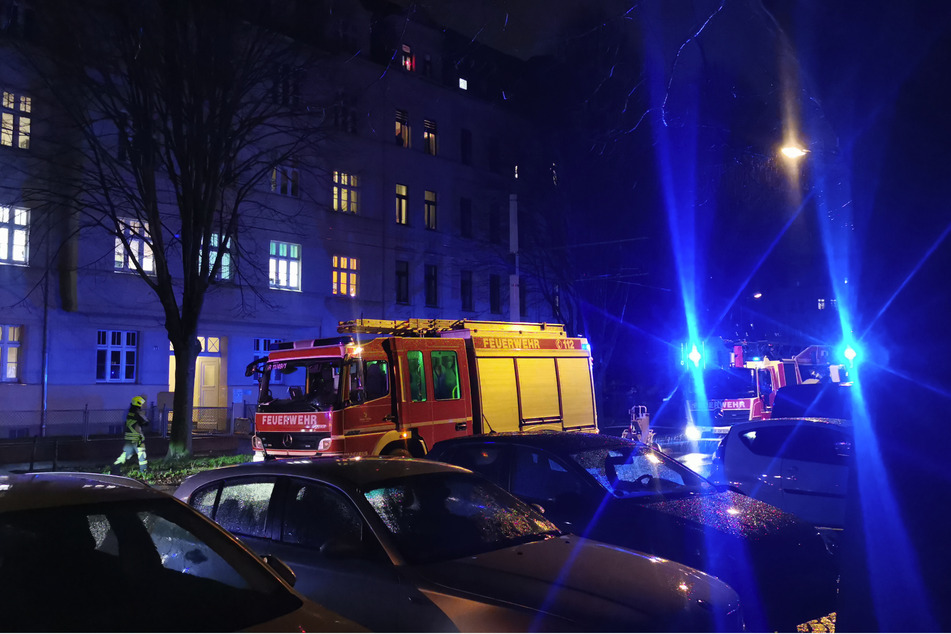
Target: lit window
(822, 304)
(463, 84)
(345, 276)
(284, 266)
(429, 137)
(14, 235)
(133, 246)
(345, 192)
(214, 248)
(285, 179)
(10, 337)
(402, 204)
(407, 59)
(116, 352)
(429, 209)
(15, 130)
(402, 128)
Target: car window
(768, 440)
(819, 444)
(486, 460)
(243, 506)
(315, 514)
(445, 375)
(637, 470)
(417, 376)
(439, 516)
(540, 476)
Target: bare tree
(182, 113)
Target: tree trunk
(180, 440)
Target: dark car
(399, 544)
(623, 492)
(83, 552)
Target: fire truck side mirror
(357, 397)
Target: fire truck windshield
(304, 385)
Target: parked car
(800, 465)
(411, 545)
(623, 492)
(97, 553)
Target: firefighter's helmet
(138, 401)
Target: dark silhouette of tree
(181, 117)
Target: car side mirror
(283, 570)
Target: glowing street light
(793, 151)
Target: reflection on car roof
(42, 490)
(550, 440)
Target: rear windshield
(637, 471)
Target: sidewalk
(65, 454)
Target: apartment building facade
(408, 209)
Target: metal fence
(97, 423)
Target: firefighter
(134, 437)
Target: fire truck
(744, 389)
(387, 387)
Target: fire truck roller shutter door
(498, 399)
(538, 388)
(577, 400)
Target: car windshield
(150, 564)
(442, 516)
(301, 386)
(636, 470)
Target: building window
(495, 156)
(284, 266)
(402, 128)
(463, 83)
(285, 87)
(14, 235)
(465, 290)
(495, 294)
(345, 276)
(432, 295)
(214, 248)
(10, 337)
(345, 192)
(344, 114)
(407, 59)
(429, 209)
(260, 348)
(465, 146)
(402, 204)
(465, 217)
(427, 65)
(136, 234)
(495, 219)
(429, 136)
(285, 179)
(402, 282)
(116, 352)
(822, 304)
(15, 130)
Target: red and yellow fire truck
(396, 387)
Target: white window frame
(119, 352)
(14, 235)
(259, 350)
(14, 122)
(10, 338)
(346, 276)
(346, 196)
(285, 179)
(225, 271)
(136, 235)
(284, 266)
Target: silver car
(98, 553)
(411, 545)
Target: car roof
(357, 471)
(28, 491)
(554, 441)
(841, 423)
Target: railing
(97, 423)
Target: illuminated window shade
(10, 338)
(402, 204)
(344, 277)
(116, 356)
(14, 122)
(403, 138)
(14, 235)
(284, 266)
(345, 193)
(135, 234)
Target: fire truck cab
(396, 387)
